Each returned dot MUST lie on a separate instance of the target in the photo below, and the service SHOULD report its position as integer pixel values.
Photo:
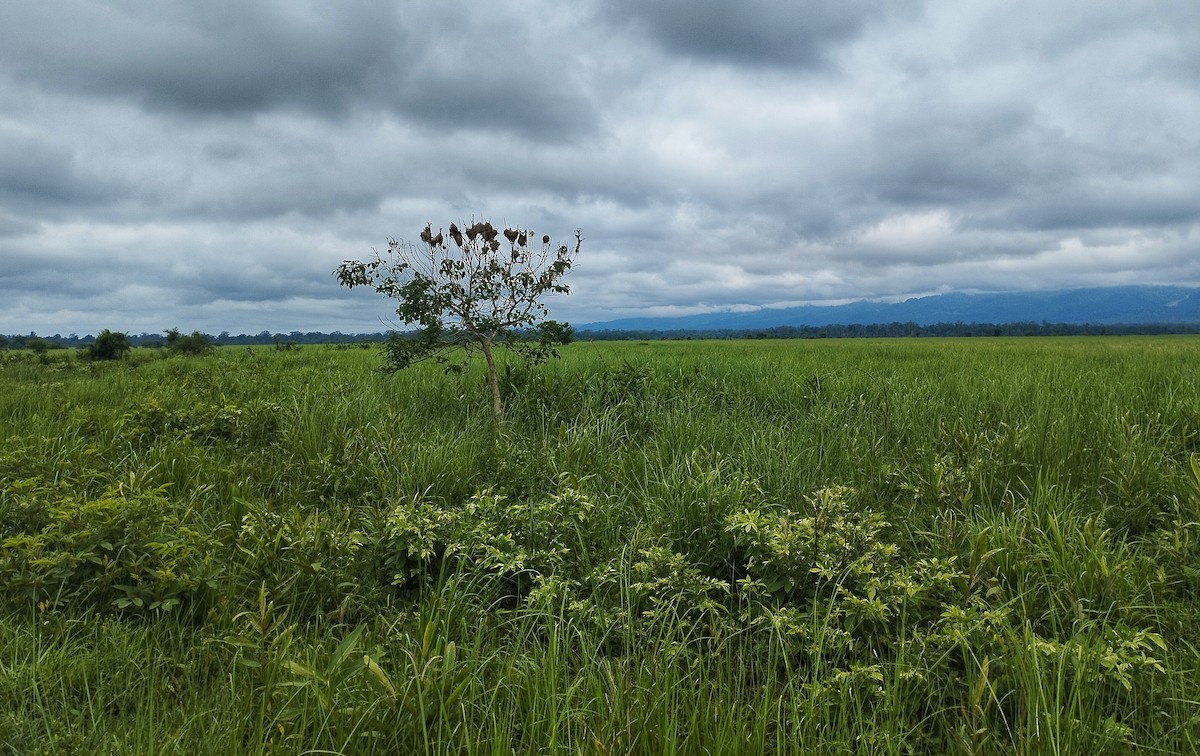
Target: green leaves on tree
(466, 289)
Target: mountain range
(1125, 305)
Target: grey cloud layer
(207, 164)
(754, 32)
(213, 56)
(450, 66)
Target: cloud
(446, 65)
(207, 165)
(37, 172)
(470, 66)
(219, 56)
(755, 33)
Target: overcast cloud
(207, 164)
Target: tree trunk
(493, 380)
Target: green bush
(194, 344)
(107, 346)
(124, 550)
(794, 558)
(256, 424)
(38, 346)
(489, 533)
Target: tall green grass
(900, 546)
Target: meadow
(862, 546)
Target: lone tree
(466, 289)
(107, 346)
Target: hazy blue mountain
(1109, 306)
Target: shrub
(255, 424)
(517, 540)
(107, 346)
(123, 550)
(194, 344)
(794, 558)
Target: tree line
(835, 331)
(157, 340)
(896, 330)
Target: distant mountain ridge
(1115, 305)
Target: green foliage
(520, 541)
(126, 550)
(311, 561)
(107, 346)
(831, 548)
(552, 333)
(468, 292)
(670, 591)
(193, 344)
(829, 587)
(205, 422)
(38, 346)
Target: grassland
(900, 546)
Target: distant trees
(107, 346)
(466, 289)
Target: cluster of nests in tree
(485, 230)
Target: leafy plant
(793, 558)
(255, 424)
(126, 550)
(517, 540)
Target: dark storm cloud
(939, 155)
(36, 172)
(758, 32)
(478, 66)
(449, 65)
(217, 56)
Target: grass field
(894, 546)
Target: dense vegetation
(902, 546)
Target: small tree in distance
(465, 289)
(195, 344)
(107, 346)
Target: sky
(206, 164)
